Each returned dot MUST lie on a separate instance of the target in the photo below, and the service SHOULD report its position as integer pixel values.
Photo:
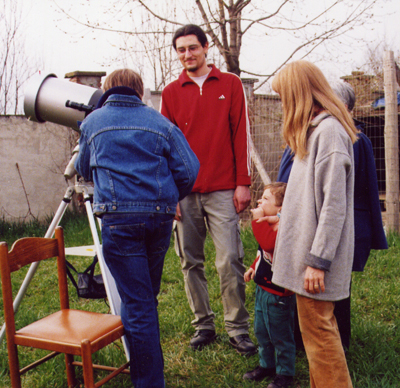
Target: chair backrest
(26, 251)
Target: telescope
(48, 98)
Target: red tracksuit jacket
(215, 123)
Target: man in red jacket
(209, 107)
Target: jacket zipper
(201, 87)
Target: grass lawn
(374, 357)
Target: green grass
(374, 357)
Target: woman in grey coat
(315, 242)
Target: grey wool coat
(316, 228)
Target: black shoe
(202, 338)
(259, 374)
(243, 345)
(281, 381)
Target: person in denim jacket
(141, 166)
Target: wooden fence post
(391, 143)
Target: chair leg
(87, 364)
(69, 359)
(14, 366)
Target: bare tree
(303, 26)
(373, 61)
(14, 65)
(154, 50)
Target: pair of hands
(258, 215)
(313, 279)
(241, 199)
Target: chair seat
(66, 329)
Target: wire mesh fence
(370, 111)
(266, 120)
(265, 115)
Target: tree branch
(26, 195)
(321, 38)
(158, 16)
(94, 27)
(210, 31)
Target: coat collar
(116, 90)
(316, 120)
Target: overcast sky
(61, 46)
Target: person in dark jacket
(141, 166)
(368, 227)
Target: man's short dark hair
(190, 29)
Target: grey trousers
(216, 213)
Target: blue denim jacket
(138, 160)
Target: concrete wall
(33, 157)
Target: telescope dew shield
(45, 99)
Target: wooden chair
(68, 331)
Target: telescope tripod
(109, 283)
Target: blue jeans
(134, 247)
(273, 327)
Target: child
(274, 309)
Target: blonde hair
(304, 91)
(124, 77)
